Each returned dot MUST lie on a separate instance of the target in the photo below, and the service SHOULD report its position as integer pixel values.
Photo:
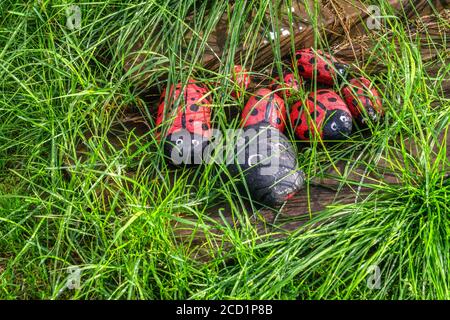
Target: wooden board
(340, 23)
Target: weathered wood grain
(341, 23)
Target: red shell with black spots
(328, 114)
(289, 84)
(265, 106)
(241, 78)
(325, 65)
(361, 94)
(192, 113)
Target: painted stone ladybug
(327, 112)
(328, 69)
(188, 112)
(268, 163)
(265, 107)
(363, 100)
(241, 78)
(263, 154)
(289, 85)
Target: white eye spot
(292, 9)
(272, 35)
(344, 118)
(300, 27)
(195, 142)
(179, 141)
(265, 41)
(333, 126)
(253, 159)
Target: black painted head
(338, 125)
(341, 70)
(185, 148)
(371, 113)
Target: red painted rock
(327, 112)
(187, 114)
(265, 106)
(289, 85)
(363, 100)
(241, 78)
(328, 70)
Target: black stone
(268, 183)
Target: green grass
(113, 214)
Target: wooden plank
(340, 22)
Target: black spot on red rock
(314, 114)
(306, 134)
